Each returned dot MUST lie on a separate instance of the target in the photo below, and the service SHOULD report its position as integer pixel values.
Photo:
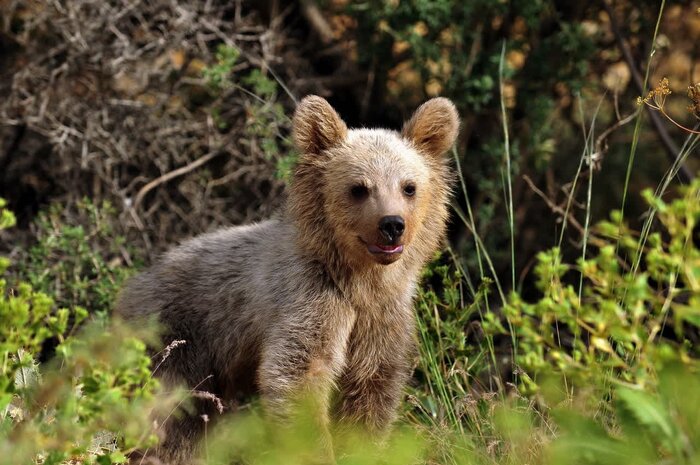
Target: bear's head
(372, 196)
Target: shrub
(635, 309)
(90, 403)
(80, 257)
(603, 367)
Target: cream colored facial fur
(382, 165)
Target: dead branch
(317, 21)
(171, 175)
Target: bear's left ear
(316, 126)
(433, 128)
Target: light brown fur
(299, 303)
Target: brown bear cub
(318, 299)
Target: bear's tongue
(386, 248)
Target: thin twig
(553, 206)
(601, 143)
(171, 175)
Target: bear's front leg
(379, 363)
(291, 377)
(299, 366)
(295, 386)
(371, 401)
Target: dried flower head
(694, 96)
(656, 98)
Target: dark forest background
(177, 113)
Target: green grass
(638, 124)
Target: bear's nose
(391, 227)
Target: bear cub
(316, 301)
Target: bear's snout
(392, 227)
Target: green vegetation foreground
(607, 369)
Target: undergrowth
(87, 404)
(605, 373)
(79, 258)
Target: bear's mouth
(382, 250)
(390, 249)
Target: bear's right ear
(316, 126)
(433, 128)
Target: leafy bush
(634, 310)
(80, 258)
(90, 403)
(602, 368)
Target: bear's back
(222, 293)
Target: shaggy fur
(299, 303)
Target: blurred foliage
(7, 218)
(80, 258)
(85, 406)
(652, 426)
(266, 117)
(645, 427)
(438, 36)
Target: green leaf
(27, 374)
(650, 413)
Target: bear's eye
(359, 192)
(409, 190)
